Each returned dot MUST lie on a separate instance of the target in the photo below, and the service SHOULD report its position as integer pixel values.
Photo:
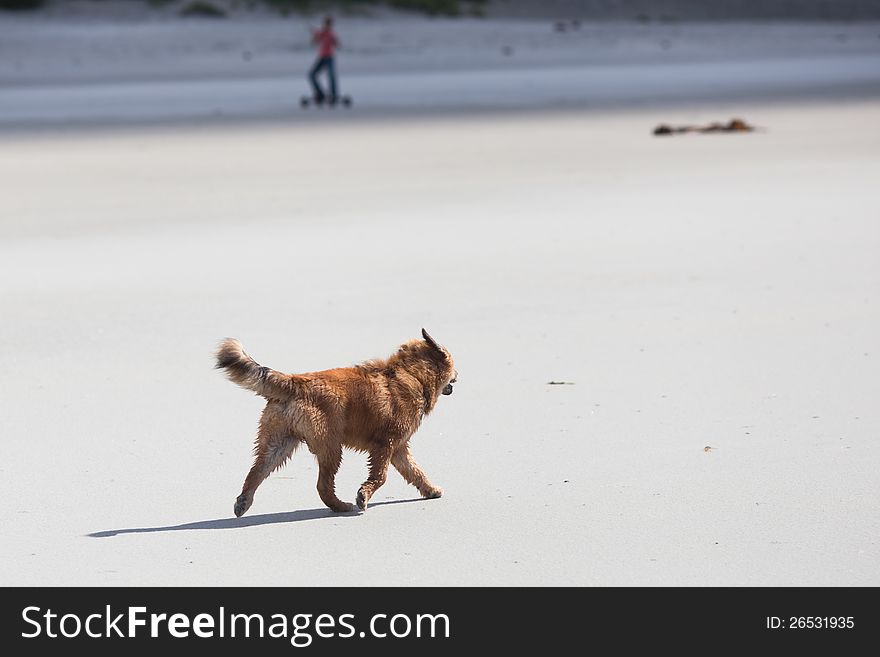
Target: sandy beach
(711, 302)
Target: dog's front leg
(406, 465)
(378, 473)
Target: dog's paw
(242, 504)
(361, 500)
(432, 493)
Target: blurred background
(93, 61)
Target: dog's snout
(447, 389)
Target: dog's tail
(248, 373)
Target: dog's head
(448, 374)
(431, 364)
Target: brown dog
(374, 407)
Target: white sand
(698, 291)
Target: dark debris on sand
(734, 125)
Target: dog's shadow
(247, 521)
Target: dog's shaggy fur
(374, 407)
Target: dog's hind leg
(379, 459)
(406, 465)
(272, 451)
(328, 466)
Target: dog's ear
(431, 341)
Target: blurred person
(326, 40)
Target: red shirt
(326, 40)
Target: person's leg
(331, 75)
(313, 78)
